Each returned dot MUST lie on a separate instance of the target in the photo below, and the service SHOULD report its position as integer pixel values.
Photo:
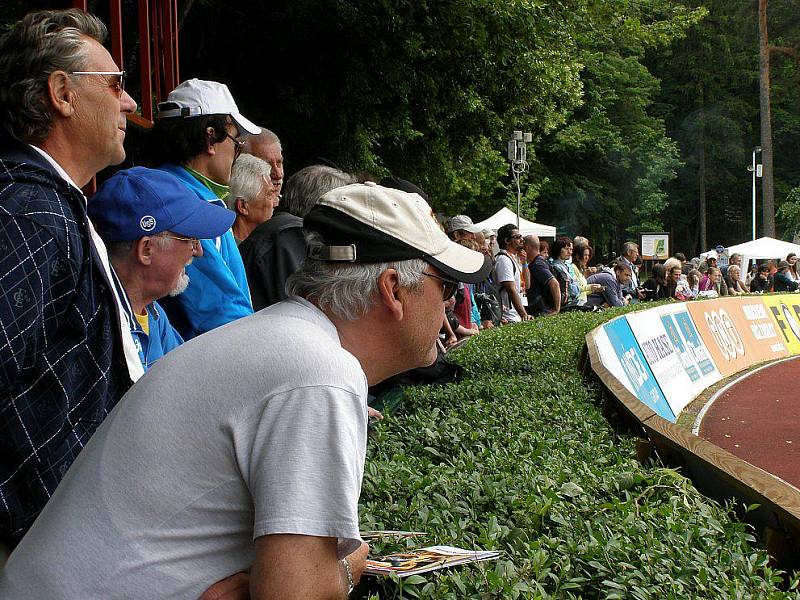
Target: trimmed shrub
(518, 458)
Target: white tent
(505, 216)
(762, 248)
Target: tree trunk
(766, 123)
(701, 172)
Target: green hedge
(518, 458)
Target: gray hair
(248, 177)
(303, 189)
(266, 137)
(40, 44)
(672, 263)
(348, 290)
(628, 246)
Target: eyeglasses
(516, 236)
(194, 241)
(238, 145)
(449, 287)
(118, 85)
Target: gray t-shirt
(257, 427)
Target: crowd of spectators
(534, 278)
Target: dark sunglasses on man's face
(238, 145)
(449, 286)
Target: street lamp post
(518, 156)
(756, 170)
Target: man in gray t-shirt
(228, 455)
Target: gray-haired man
(202, 472)
(277, 248)
(65, 357)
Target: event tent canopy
(765, 247)
(505, 216)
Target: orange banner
(738, 332)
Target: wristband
(350, 585)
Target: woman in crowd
(693, 280)
(751, 273)
(762, 282)
(560, 253)
(736, 285)
(791, 258)
(544, 249)
(465, 309)
(655, 288)
(712, 281)
(581, 255)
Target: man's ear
(210, 149)
(241, 206)
(61, 93)
(143, 250)
(390, 294)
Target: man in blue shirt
(196, 139)
(152, 226)
(613, 282)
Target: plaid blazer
(62, 366)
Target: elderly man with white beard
(152, 226)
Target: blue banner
(636, 369)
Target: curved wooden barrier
(716, 472)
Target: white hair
(348, 290)
(248, 177)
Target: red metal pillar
(115, 31)
(145, 60)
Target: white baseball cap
(368, 223)
(196, 97)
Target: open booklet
(422, 560)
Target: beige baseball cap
(367, 223)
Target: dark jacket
(653, 290)
(784, 283)
(273, 251)
(62, 366)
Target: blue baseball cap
(137, 202)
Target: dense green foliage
(518, 457)
(635, 106)
(638, 107)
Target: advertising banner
(621, 355)
(785, 309)
(675, 353)
(738, 332)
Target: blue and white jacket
(62, 364)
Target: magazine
(422, 560)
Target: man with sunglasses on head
(65, 355)
(508, 274)
(152, 226)
(212, 467)
(197, 136)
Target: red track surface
(758, 420)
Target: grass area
(518, 458)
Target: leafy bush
(518, 458)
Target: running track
(758, 420)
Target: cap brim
(205, 222)
(246, 124)
(462, 264)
